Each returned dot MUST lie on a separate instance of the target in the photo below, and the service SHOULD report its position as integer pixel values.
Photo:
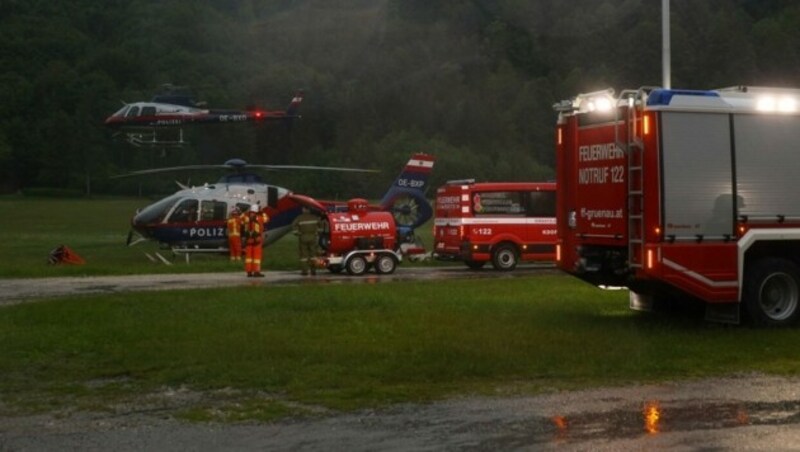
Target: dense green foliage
(471, 81)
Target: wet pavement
(14, 291)
(742, 412)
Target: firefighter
(253, 223)
(234, 234)
(306, 227)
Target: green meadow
(289, 350)
(266, 352)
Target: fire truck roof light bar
(739, 98)
(664, 96)
(766, 100)
(595, 101)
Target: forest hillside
(470, 81)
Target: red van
(501, 222)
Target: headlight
(784, 104)
(787, 105)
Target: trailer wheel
(356, 266)
(772, 292)
(385, 264)
(475, 265)
(504, 257)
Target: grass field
(355, 346)
(277, 351)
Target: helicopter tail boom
(406, 196)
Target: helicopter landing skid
(152, 139)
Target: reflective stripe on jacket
(234, 226)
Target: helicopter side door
(213, 210)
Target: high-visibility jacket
(234, 226)
(253, 227)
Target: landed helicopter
(193, 220)
(160, 121)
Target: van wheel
(357, 266)
(475, 265)
(772, 292)
(385, 264)
(504, 257)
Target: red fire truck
(501, 222)
(684, 194)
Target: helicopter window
(245, 178)
(148, 111)
(184, 212)
(121, 111)
(213, 210)
(134, 111)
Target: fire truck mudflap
(684, 194)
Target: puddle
(654, 418)
(651, 418)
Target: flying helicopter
(160, 121)
(193, 220)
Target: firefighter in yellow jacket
(253, 223)
(306, 226)
(234, 235)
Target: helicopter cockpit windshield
(184, 212)
(156, 213)
(121, 112)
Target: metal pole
(665, 50)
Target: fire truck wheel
(772, 292)
(385, 264)
(475, 265)
(504, 257)
(357, 266)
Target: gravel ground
(743, 412)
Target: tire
(504, 257)
(385, 264)
(772, 292)
(475, 265)
(356, 266)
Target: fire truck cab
(501, 222)
(684, 194)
